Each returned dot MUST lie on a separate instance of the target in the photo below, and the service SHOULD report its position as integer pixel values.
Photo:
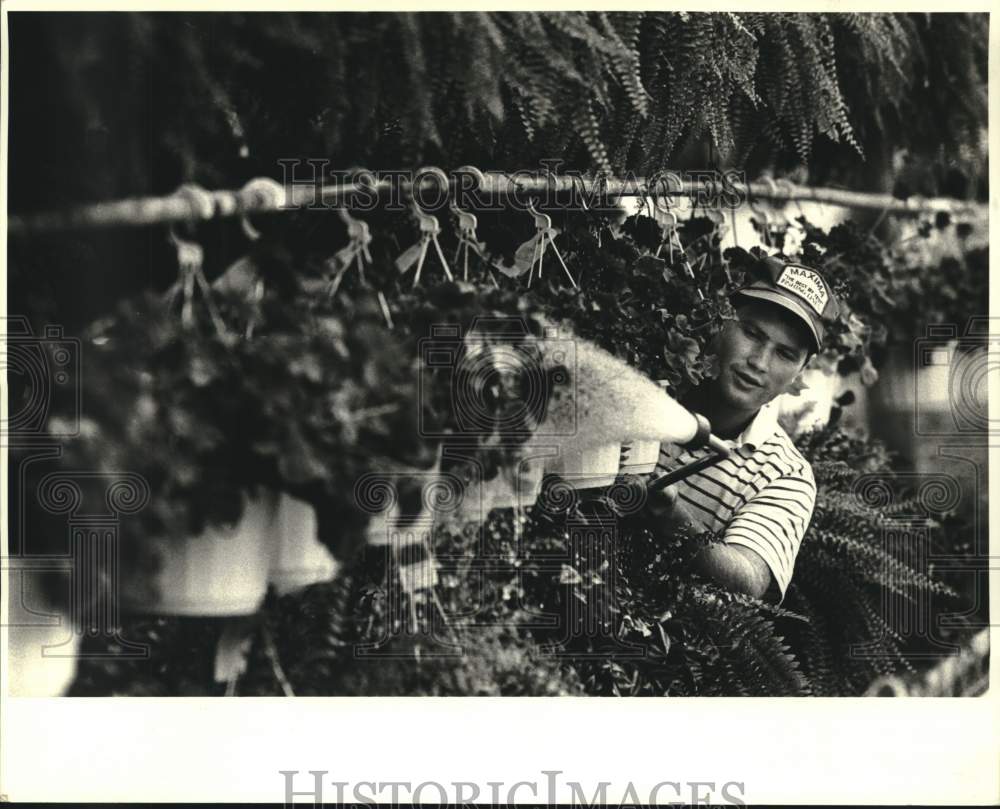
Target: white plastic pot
(389, 528)
(639, 457)
(223, 571)
(41, 644)
(587, 467)
(299, 558)
(415, 575)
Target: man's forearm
(733, 566)
(730, 566)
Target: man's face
(760, 354)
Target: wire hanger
(190, 260)
(356, 252)
(269, 192)
(544, 237)
(718, 219)
(272, 193)
(765, 220)
(668, 219)
(781, 223)
(672, 240)
(532, 251)
(467, 224)
(430, 229)
(789, 187)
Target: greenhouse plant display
(401, 425)
(552, 357)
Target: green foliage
(678, 635)
(667, 632)
(137, 103)
(362, 636)
(950, 293)
(739, 77)
(182, 651)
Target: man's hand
(734, 566)
(667, 510)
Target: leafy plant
(621, 90)
(664, 631)
(850, 568)
(324, 388)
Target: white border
(932, 751)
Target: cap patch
(807, 284)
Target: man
(761, 498)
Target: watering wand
(691, 430)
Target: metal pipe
(685, 471)
(141, 211)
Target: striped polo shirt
(761, 496)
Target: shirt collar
(760, 429)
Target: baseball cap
(798, 289)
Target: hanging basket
(587, 466)
(223, 571)
(639, 457)
(299, 558)
(392, 528)
(408, 539)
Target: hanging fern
(846, 570)
(235, 92)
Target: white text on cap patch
(807, 284)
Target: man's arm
(735, 567)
